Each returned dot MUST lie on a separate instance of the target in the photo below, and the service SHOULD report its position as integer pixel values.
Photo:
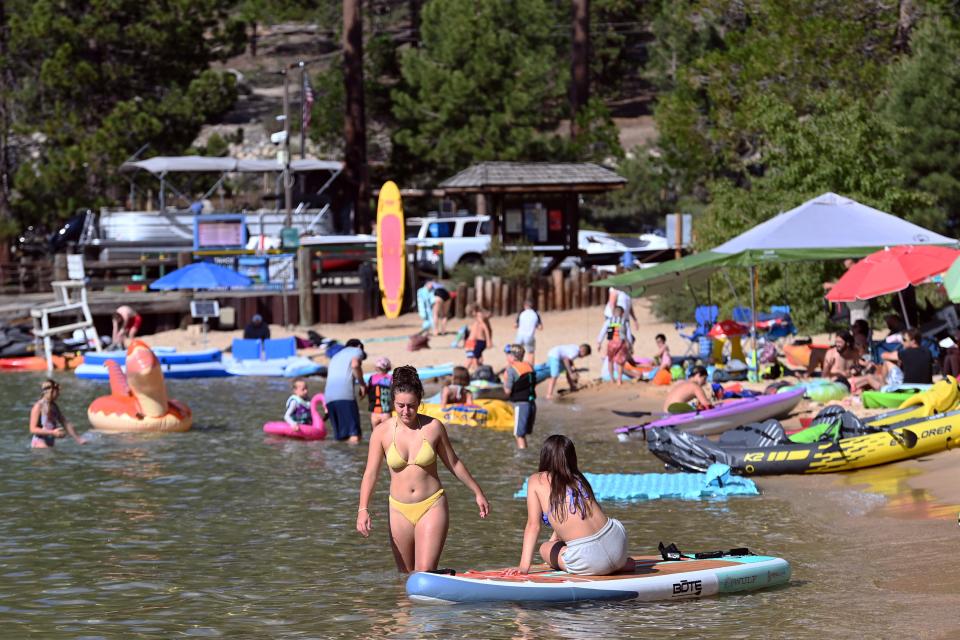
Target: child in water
(47, 422)
(457, 392)
(378, 392)
(298, 405)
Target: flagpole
(303, 103)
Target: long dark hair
(406, 380)
(558, 458)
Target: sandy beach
(938, 476)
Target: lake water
(221, 532)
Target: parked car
(465, 239)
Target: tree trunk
(905, 22)
(6, 86)
(354, 127)
(580, 63)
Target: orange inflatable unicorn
(138, 401)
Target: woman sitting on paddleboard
(411, 443)
(584, 540)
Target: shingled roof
(533, 176)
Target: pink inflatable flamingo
(315, 431)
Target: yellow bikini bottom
(413, 511)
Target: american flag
(306, 106)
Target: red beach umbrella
(728, 328)
(891, 270)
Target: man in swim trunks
(527, 323)
(689, 390)
(560, 359)
(126, 325)
(840, 360)
(343, 372)
(478, 338)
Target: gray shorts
(524, 415)
(529, 343)
(600, 554)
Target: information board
(221, 231)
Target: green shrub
(518, 266)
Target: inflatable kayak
(492, 414)
(653, 579)
(728, 415)
(38, 363)
(837, 441)
(290, 367)
(175, 365)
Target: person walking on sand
(560, 359)
(478, 338)
(343, 372)
(47, 422)
(584, 540)
(528, 322)
(441, 307)
(619, 340)
(520, 385)
(689, 391)
(411, 443)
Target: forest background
(757, 105)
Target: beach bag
(417, 342)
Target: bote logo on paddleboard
(688, 587)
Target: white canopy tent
(160, 166)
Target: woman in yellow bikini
(411, 443)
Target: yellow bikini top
(424, 458)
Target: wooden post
(183, 259)
(60, 266)
(505, 300)
(575, 289)
(541, 296)
(568, 293)
(678, 230)
(478, 287)
(460, 306)
(305, 285)
(495, 306)
(471, 299)
(557, 276)
(488, 295)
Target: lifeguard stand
(71, 297)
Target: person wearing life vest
(616, 330)
(520, 385)
(378, 392)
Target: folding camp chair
(705, 317)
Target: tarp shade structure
(829, 227)
(161, 165)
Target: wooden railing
(555, 292)
(25, 276)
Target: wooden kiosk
(533, 203)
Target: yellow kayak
(492, 414)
